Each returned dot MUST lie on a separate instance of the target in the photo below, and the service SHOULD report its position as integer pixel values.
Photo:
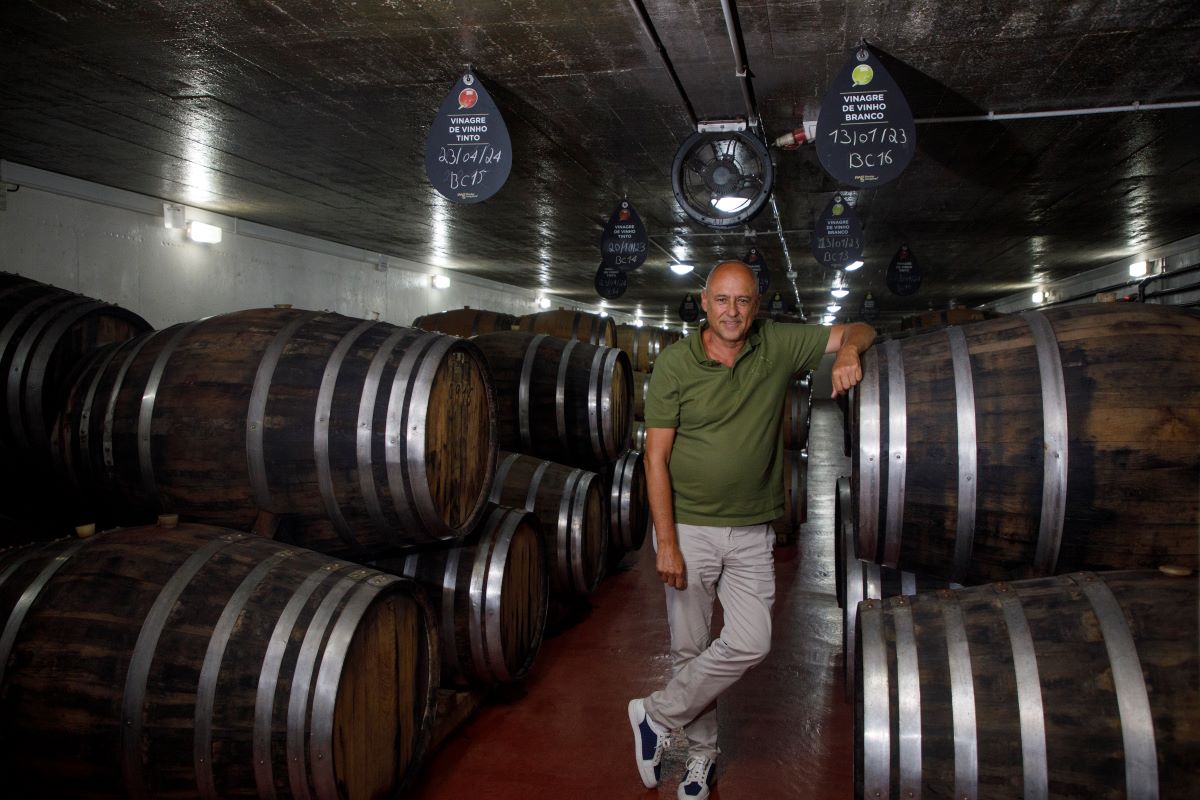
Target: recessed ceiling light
(833, 308)
(441, 281)
(1137, 269)
(853, 265)
(839, 293)
(543, 302)
(203, 232)
(680, 268)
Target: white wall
(112, 245)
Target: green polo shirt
(727, 461)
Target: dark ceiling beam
(639, 8)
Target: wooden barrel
(1015, 447)
(637, 437)
(45, 333)
(641, 384)
(199, 662)
(465, 322)
(627, 499)
(797, 411)
(566, 401)
(795, 494)
(1084, 685)
(642, 343)
(843, 403)
(386, 432)
(569, 504)
(567, 324)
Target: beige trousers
(736, 565)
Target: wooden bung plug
(168, 520)
(84, 531)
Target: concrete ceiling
(312, 116)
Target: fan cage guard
(722, 179)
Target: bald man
(714, 465)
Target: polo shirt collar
(696, 344)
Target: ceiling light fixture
(441, 281)
(679, 268)
(833, 308)
(853, 265)
(839, 292)
(1137, 269)
(637, 322)
(203, 232)
(1038, 296)
(827, 320)
(543, 302)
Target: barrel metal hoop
(1129, 683)
(854, 595)
(610, 440)
(268, 677)
(110, 406)
(575, 326)
(908, 693)
(300, 701)
(16, 617)
(579, 501)
(449, 592)
(36, 374)
(404, 435)
(524, 390)
(535, 481)
(206, 690)
(364, 435)
(17, 367)
(83, 434)
(321, 421)
(146, 412)
(566, 527)
(498, 485)
(136, 679)
(1054, 450)
(329, 676)
(968, 456)
(908, 583)
(897, 436)
(872, 581)
(637, 341)
(18, 319)
(1029, 695)
(475, 324)
(497, 564)
(256, 413)
(868, 457)
(877, 728)
(477, 590)
(595, 416)
(962, 701)
(560, 396)
(623, 484)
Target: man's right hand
(669, 563)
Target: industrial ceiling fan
(722, 174)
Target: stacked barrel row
(1011, 455)
(797, 415)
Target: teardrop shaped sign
(903, 275)
(869, 310)
(837, 238)
(468, 154)
(623, 244)
(758, 265)
(865, 131)
(610, 283)
(777, 304)
(689, 309)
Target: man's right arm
(669, 561)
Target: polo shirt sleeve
(661, 408)
(805, 343)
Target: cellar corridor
(785, 730)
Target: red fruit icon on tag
(467, 98)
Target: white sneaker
(648, 744)
(700, 773)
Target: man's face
(730, 301)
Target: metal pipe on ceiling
(740, 62)
(639, 8)
(992, 116)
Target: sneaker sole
(646, 772)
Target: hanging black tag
(623, 244)
(903, 275)
(758, 265)
(777, 304)
(865, 131)
(869, 310)
(837, 238)
(610, 283)
(689, 309)
(468, 154)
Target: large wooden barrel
(795, 494)
(386, 432)
(45, 333)
(1084, 685)
(797, 411)
(566, 401)
(567, 324)
(628, 501)
(1015, 447)
(465, 322)
(199, 662)
(642, 343)
(641, 385)
(569, 504)
(491, 591)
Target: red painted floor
(563, 733)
